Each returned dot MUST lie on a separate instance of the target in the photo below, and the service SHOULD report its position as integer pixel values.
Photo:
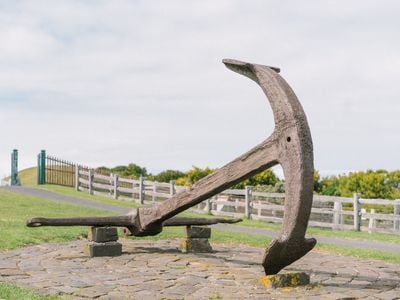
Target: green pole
(41, 169)
(38, 169)
(43, 166)
(14, 167)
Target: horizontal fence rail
(338, 213)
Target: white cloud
(105, 83)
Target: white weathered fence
(328, 212)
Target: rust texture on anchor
(290, 145)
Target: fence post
(90, 177)
(111, 184)
(396, 213)
(208, 206)
(141, 190)
(337, 214)
(115, 181)
(172, 190)
(248, 200)
(357, 212)
(153, 195)
(371, 223)
(77, 168)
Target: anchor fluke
(280, 254)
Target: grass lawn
(12, 292)
(86, 196)
(346, 234)
(15, 209)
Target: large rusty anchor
(290, 145)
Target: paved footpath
(157, 270)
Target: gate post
(14, 168)
(41, 168)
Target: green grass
(345, 234)
(362, 253)
(69, 191)
(12, 292)
(15, 209)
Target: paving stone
(92, 292)
(49, 292)
(117, 295)
(389, 295)
(7, 263)
(11, 272)
(79, 284)
(65, 289)
(146, 295)
(338, 296)
(30, 265)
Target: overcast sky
(114, 82)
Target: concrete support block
(196, 245)
(198, 232)
(105, 249)
(103, 234)
(285, 280)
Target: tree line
(370, 184)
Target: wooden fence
(337, 213)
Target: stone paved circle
(158, 270)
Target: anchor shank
(256, 160)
